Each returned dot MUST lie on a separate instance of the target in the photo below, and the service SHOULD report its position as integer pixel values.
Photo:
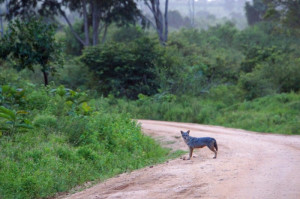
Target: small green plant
(10, 95)
(13, 121)
(76, 101)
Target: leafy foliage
(64, 142)
(124, 69)
(286, 12)
(255, 12)
(31, 42)
(269, 71)
(10, 95)
(224, 105)
(12, 121)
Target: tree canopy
(286, 12)
(31, 42)
(97, 15)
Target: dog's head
(185, 135)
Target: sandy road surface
(249, 165)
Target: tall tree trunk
(86, 25)
(6, 6)
(45, 78)
(96, 22)
(166, 21)
(105, 33)
(159, 21)
(1, 24)
(161, 27)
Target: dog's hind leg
(212, 148)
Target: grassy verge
(37, 164)
(278, 113)
(71, 142)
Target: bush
(124, 69)
(269, 71)
(45, 121)
(37, 100)
(75, 75)
(228, 94)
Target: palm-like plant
(12, 121)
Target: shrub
(45, 121)
(124, 69)
(75, 75)
(38, 100)
(31, 42)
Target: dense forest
(73, 75)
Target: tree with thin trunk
(160, 21)
(1, 24)
(2, 14)
(30, 43)
(287, 13)
(97, 14)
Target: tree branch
(150, 21)
(71, 27)
(148, 5)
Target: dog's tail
(215, 145)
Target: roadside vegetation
(53, 139)
(68, 103)
(278, 113)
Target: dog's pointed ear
(188, 132)
(181, 132)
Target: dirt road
(249, 165)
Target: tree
(30, 43)
(124, 69)
(2, 14)
(255, 12)
(287, 12)
(97, 15)
(161, 23)
(1, 24)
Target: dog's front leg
(191, 152)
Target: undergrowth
(53, 139)
(278, 113)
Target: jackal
(194, 142)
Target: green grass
(275, 114)
(36, 165)
(72, 142)
(278, 113)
